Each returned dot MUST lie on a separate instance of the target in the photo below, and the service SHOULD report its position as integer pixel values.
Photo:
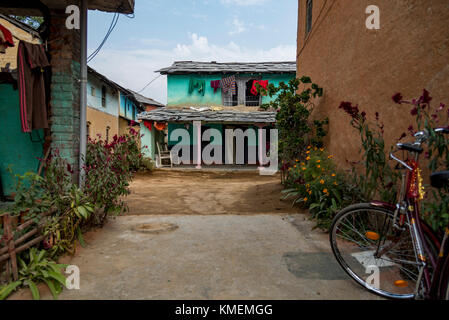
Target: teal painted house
(220, 96)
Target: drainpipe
(83, 93)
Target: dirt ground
(206, 193)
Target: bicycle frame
(407, 211)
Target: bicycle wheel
(361, 230)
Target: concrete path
(208, 254)
(211, 257)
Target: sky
(164, 31)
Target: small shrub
(316, 184)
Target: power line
(111, 28)
(149, 83)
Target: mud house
(408, 53)
(217, 96)
(60, 128)
(111, 108)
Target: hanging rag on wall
(147, 124)
(199, 85)
(31, 61)
(228, 84)
(6, 39)
(262, 83)
(215, 84)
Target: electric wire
(111, 28)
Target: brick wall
(64, 46)
(409, 53)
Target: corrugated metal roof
(183, 67)
(175, 115)
(145, 100)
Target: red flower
(349, 109)
(414, 111)
(402, 136)
(397, 98)
(425, 98)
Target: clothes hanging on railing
(31, 64)
(262, 83)
(215, 84)
(161, 126)
(148, 124)
(199, 85)
(6, 39)
(229, 84)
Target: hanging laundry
(31, 61)
(6, 39)
(262, 83)
(148, 124)
(161, 126)
(215, 84)
(229, 84)
(199, 85)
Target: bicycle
(407, 257)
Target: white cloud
(238, 27)
(133, 69)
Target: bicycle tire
(350, 264)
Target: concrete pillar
(260, 144)
(197, 126)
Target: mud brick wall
(64, 46)
(367, 67)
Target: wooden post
(9, 236)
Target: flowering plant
(315, 184)
(108, 171)
(378, 178)
(436, 204)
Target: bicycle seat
(439, 179)
(410, 147)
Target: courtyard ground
(229, 236)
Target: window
(243, 95)
(250, 99)
(309, 9)
(92, 91)
(108, 128)
(88, 129)
(103, 96)
(229, 99)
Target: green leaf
(52, 288)
(80, 237)
(84, 213)
(33, 288)
(6, 291)
(58, 277)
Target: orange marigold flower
(325, 191)
(309, 147)
(304, 168)
(333, 174)
(318, 161)
(330, 157)
(318, 166)
(322, 181)
(308, 158)
(305, 199)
